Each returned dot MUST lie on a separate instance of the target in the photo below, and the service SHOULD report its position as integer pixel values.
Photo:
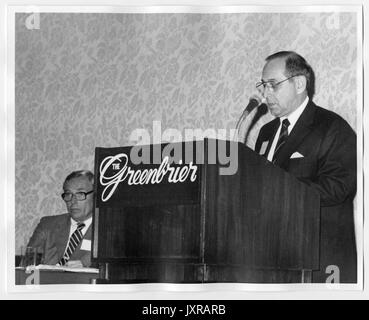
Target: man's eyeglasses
(271, 85)
(80, 196)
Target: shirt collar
(87, 222)
(295, 115)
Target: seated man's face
(79, 210)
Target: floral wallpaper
(85, 80)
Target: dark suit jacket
(51, 237)
(328, 145)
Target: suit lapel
(269, 136)
(63, 230)
(88, 234)
(302, 127)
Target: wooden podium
(188, 223)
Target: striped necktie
(283, 135)
(74, 241)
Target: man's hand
(74, 264)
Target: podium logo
(122, 172)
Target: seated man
(66, 239)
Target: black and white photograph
(174, 146)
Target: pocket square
(296, 155)
(263, 147)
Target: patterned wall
(86, 80)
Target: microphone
(254, 102)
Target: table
(54, 277)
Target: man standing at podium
(319, 148)
(65, 239)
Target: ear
(300, 84)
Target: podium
(199, 212)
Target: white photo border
(185, 288)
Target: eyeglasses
(271, 85)
(80, 196)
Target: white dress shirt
(292, 118)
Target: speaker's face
(78, 209)
(280, 92)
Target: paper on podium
(61, 268)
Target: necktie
(282, 138)
(74, 241)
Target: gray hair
(80, 173)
